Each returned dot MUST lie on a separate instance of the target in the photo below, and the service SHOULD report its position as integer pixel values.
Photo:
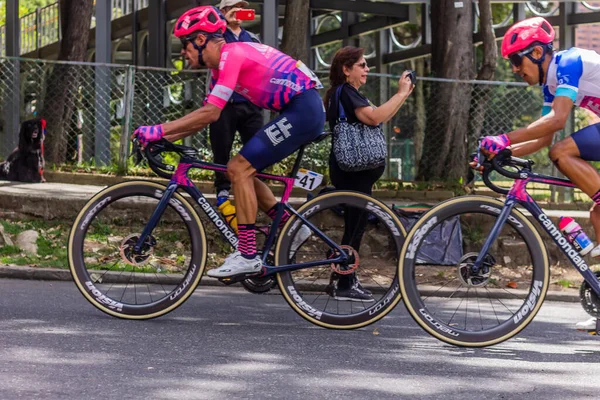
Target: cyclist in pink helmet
(267, 78)
(568, 78)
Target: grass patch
(9, 250)
(51, 242)
(565, 283)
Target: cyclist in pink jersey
(268, 78)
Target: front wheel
(350, 295)
(128, 284)
(459, 303)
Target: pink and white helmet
(200, 19)
(525, 33)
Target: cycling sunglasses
(516, 59)
(186, 40)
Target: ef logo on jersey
(279, 131)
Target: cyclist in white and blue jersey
(570, 77)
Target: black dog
(26, 162)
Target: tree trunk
(295, 26)
(444, 150)
(481, 93)
(61, 89)
(420, 117)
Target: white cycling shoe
(587, 326)
(236, 264)
(302, 236)
(596, 251)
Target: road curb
(57, 274)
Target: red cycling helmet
(525, 33)
(200, 19)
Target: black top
(351, 100)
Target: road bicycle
(501, 281)
(138, 249)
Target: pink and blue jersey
(574, 73)
(260, 73)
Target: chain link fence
(92, 109)
(417, 128)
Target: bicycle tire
(433, 318)
(133, 204)
(304, 297)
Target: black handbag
(356, 146)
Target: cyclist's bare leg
(566, 157)
(241, 174)
(595, 219)
(264, 195)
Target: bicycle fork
(491, 238)
(155, 217)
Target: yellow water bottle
(228, 211)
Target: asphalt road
(226, 343)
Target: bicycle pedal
(230, 280)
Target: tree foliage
(25, 7)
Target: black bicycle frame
(519, 196)
(181, 179)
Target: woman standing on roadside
(349, 69)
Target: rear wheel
(342, 296)
(460, 304)
(131, 285)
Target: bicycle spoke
(145, 278)
(346, 290)
(477, 301)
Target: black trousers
(244, 117)
(355, 221)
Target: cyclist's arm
(191, 123)
(554, 121)
(531, 146)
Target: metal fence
(42, 27)
(92, 108)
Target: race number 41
(307, 180)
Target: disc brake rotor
(346, 269)
(471, 278)
(129, 256)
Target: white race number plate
(308, 180)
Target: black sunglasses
(185, 41)
(516, 59)
(363, 65)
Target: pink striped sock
(272, 213)
(247, 240)
(596, 197)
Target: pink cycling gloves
(495, 144)
(147, 134)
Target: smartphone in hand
(413, 76)
(245, 15)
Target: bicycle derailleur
(588, 298)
